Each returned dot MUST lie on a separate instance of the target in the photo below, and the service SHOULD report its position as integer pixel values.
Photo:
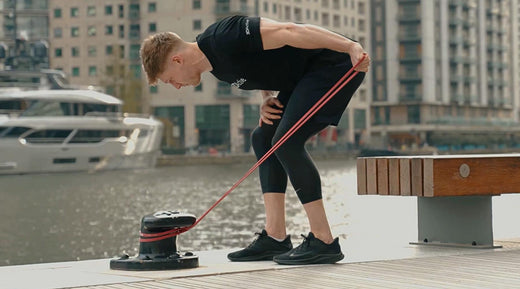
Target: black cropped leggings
(290, 159)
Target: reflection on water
(77, 216)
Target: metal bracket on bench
(455, 221)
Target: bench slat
(382, 176)
(371, 177)
(405, 177)
(394, 177)
(362, 176)
(417, 177)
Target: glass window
(152, 7)
(109, 30)
(135, 31)
(134, 51)
(109, 50)
(91, 11)
(360, 118)
(74, 31)
(57, 13)
(58, 32)
(75, 71)
(48, 136)
(152, 27)
(109, 70)
(74, 51)
(92, 51)
(121, 11)
(414, 114)
(58, 52)
(13, 132)
(134, 11)
(121, 31)
(108, 10)
(197, 24)
(196, 4)
(74, 12)
(92, 71)
(94, 136)
(91, 31)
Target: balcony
(410, 78)
(409, 18)
(408, 37)
(408, 58)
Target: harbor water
(79, 216)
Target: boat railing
(133, 114)
(117, 114)
(104, 113)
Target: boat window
(10, 104)
(48, 136)
(14, 131)
(94, 160)
(64, 161)
(143, 133)
(47, 108)
(92, 108)
(93, 136)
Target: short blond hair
(154, 50)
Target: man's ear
(176, 58)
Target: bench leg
(455, 221)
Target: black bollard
(157, 248)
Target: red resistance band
(319, 104)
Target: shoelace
(305, 244)
(260, 235)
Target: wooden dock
(415, 267)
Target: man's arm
(278, 34)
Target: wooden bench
(454, 192)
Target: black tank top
(234, 48)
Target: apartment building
(24, 34)
(90, 40)
(445, 72)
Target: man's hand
(356, 53)
(270, 109)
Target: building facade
(97, 42)
(456, 84)
(24, 34)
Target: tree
(123, 82)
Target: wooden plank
(382, 176)
(405, 177)
(428, 177)
(393, 176)
(371, 176)
(485, 176)
(361, 176)
(417, 176)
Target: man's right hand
(270, 109)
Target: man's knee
(259, 139)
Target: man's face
(178, 73)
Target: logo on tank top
(239, 82)
(247, 27)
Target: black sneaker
(311, 251)
(263, 248)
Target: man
(301, 62)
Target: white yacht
(73, 130)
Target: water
(78, 216)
